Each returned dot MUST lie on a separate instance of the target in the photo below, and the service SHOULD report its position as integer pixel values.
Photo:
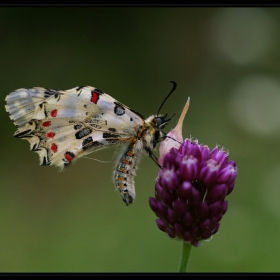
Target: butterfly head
(154, 133)
(161, 121)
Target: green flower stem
(186, 251)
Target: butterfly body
(62, 126)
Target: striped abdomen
(126, 170)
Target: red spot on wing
(54, 113)
(50, 134)
(94, 97)
(46, 123)
(54, 148)
(69, 156)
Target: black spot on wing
(83, 132)
(119, 110)
(41, 105)
(77, 126)
(49, 92)
(80, 87)
(86, 142)
(99, 91)
(89, 143)
(95, 125)
(110, 135)
(112, 129)
(45, 161)
(34, 148)
(23, 134)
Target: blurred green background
(226, 60)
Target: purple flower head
(191, 187)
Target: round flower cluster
(190, 191)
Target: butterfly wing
(62, 126)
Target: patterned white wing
(62, 126)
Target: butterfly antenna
(174, 87)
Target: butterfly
(63, 125)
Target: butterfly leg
(153, 157)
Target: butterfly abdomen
(126, 170)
